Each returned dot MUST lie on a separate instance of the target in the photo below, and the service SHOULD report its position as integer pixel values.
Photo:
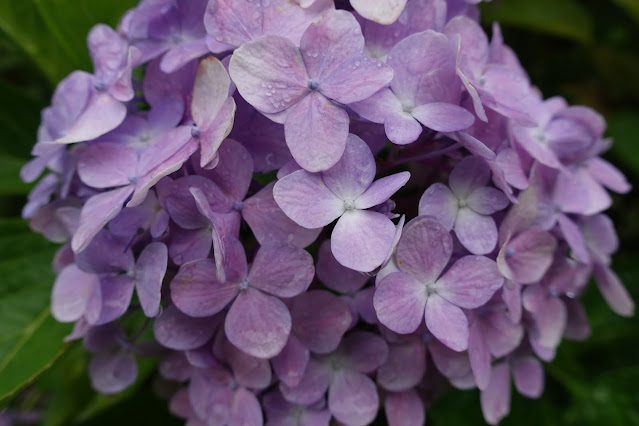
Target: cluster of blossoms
(232, 163)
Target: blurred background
(584, 50)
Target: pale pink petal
(258, 324)
(316, 132)
(399, 301)
(447, 322)
(306, 200)
(362, 239)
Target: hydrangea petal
(149, 274)
(363, 351)
(495, 399)
(258, 324)
(443, 117)
(329, 42)
(320, 319)
(356, 79)
(269, 73)
(178, 331)
(289, 365)
(306, 200)
(528, 375)
(102, 114)
(438, 202)
(71, 293)
(246, 409)
(112, 373)
(399, 301)
(381, 190)
(282, 270)
(312, 387)
(381, 11)
(404, 409)
(479, 356)
(468, 175)
(527, 257)
(352, 398)
(447, 322)
(96, 213)
(613, 291)
(470, 282)
(197, 292)
(353, 173)
(424, 249)
(361, 239)
(404, 367)
(335, 276)
(316, 132)
(476, 232)
(105, 165)
(270, 224)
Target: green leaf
(53, 32)
(10, 182)
(563, 18)
(631, 7)
(30, 339)
(623, 126)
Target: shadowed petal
(613, 291)
(197, 292)
(112, 373)
(468, 175)
(312, 387)
(246, 409)
(289, 365)
(404, 367)
(270, 224)
(149, 274)
(528, 375)
(495, 399)
(258, 324)
(71, 293)
(353, 399)
(335, 276)
(178, 331)
(404, 409)
(281, 270)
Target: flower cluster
(227, 172)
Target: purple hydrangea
(305, 204)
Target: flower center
(244, 285)
(312, 84)
(349, 205)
